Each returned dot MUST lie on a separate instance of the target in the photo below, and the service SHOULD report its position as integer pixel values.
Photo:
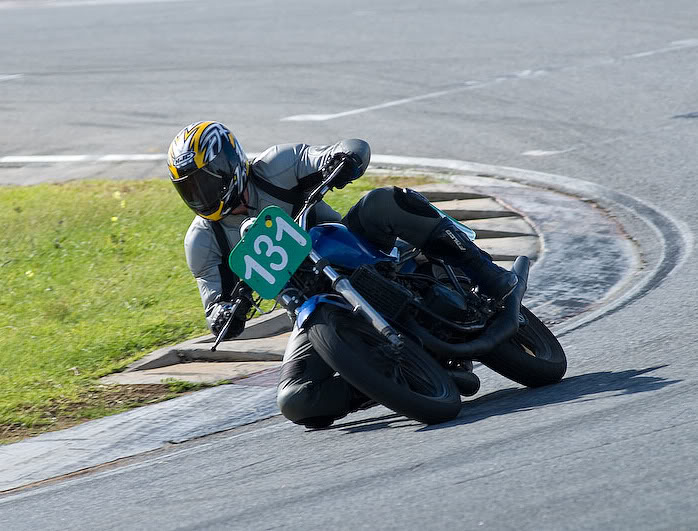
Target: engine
(445, 302)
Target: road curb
(199, 348)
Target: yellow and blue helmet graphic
(209, 168)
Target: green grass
(93, 277)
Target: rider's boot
(465, 379)
(453, 246)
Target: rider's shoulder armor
(280, 164)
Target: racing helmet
(208, 168)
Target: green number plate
(271, 251)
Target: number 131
(251, 264)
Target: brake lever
(226, 326)
(240, 289)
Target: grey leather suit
(283, 165)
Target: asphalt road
(596, 91)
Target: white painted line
(322, 117)
(44, 158)
(32, 159)
(76, 3)
(132, 158)
(674, 46)
(523, 74)
(543, 153)
(467, 85)
(584, 145)
(10, 77)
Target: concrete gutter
(251, 345)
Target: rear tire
(414, 385)
(532, 357)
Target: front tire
(532, 357)
(410, 382)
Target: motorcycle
(397, 326)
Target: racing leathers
(309, 392)
(283, 170)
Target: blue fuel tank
(344, 248)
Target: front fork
(341, 285)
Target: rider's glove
(350, 171)
(222, 314)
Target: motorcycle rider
(214, 177)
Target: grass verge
(94, 277)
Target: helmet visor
(201, 191)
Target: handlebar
(316, 196)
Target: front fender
(308, 307)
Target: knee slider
(295, 402)
(367, 218)
(292, 370)
(414, 202)
(374, 203)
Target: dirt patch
(98, 401)
(399, 181)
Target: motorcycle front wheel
(408, 381)
(532, 357)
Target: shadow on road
(505, 401)
(577, 388)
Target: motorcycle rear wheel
(410, 382)
(532, 357)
